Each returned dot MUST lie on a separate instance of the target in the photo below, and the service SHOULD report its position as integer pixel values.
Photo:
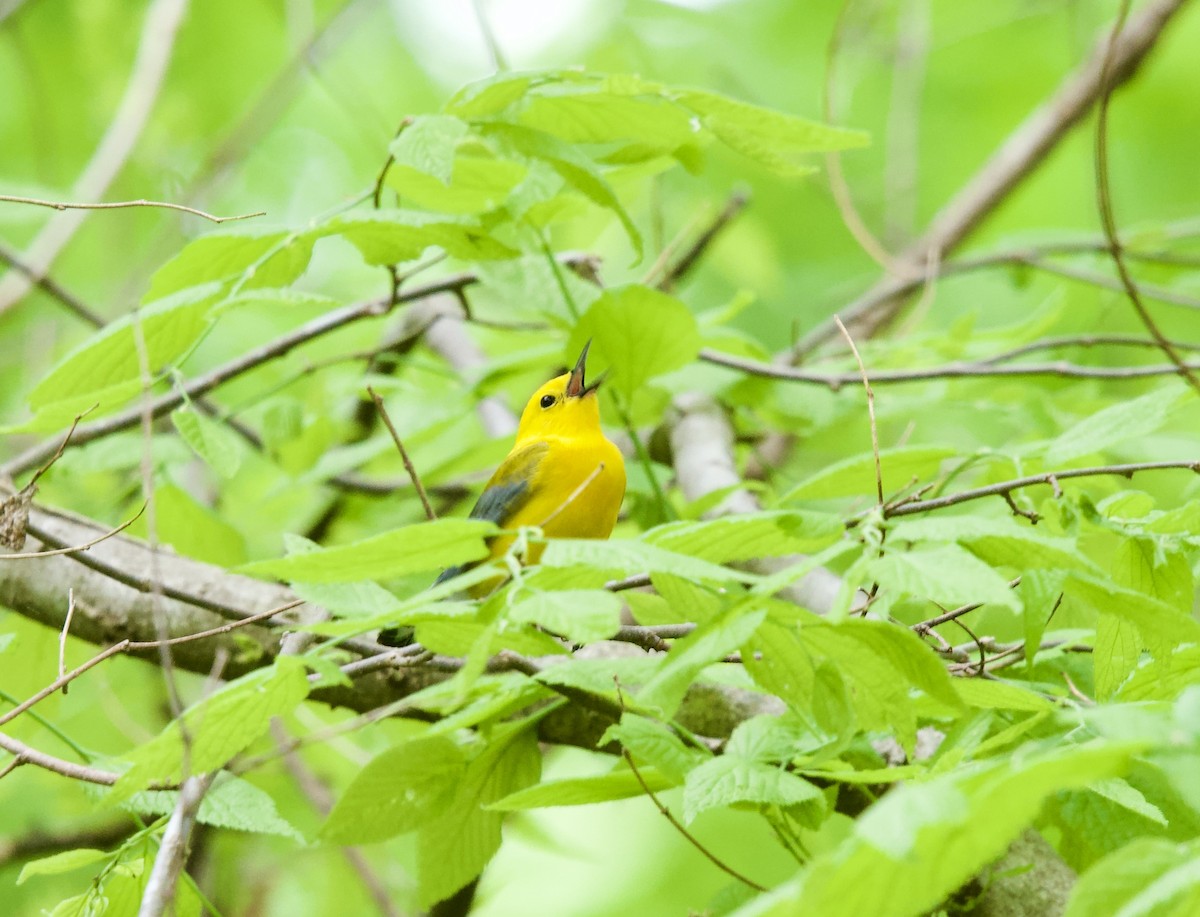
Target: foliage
(984, 662)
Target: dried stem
(122, 205)
(408, 465)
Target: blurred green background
(288, 107)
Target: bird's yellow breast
(576, 492)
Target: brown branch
(1104, 203)
(980, 370)
(49, 285)
(1048, 478)
(1016, 158)
(122, 205)
(159, 894)
(26, 754)
(27, 555)
(408, 465)
(1081, 340)
(691, 256)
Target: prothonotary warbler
(562, 475)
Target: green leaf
(1164, 678)
(946, 574)
(356, 600)
(275, 257)
(57, 864)
(921, 841)
(639, 333)
(231, 802)
(429, 144)
(772, 138)
(1128, 419)
(218, 727)
(477, 185)
(399, 790)
(580, 615)
(598, 117)
(999, 695)
(655, 744)
(855, 477)
(211, 440)
(620, 557)
(575, 168)
(386, 237)
(492, 95)
(730, 539)
(453, 850)
(582, 791)
(109, 357)
(1161, 626)
(711, 641)
(998, 542)
(1146, 878)
(417, 548)
(1116, 654)
(730, 779)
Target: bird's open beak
(577, 385)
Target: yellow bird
(562, 475)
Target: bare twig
(1048, 478)
(688, 260)
(26, 754)
(49, 285)
(59, 451)
(980, 370)
(408, 465)
(159, 895)
(862, 368)
(26, 555)
(1104, 203)
(122, 205)
(675, 823)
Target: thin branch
(979, 370)
(202, 385)
(122, 205)
(159, 895)
(49, 285)
(36, 844)
(1048, 478)
(862, 368)
(408, 465)
(59, 451)
(79, 547)
(26, 754)
(1104, 203)
(1081, 340)
(691, 256)
(128, 646)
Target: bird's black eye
(547, 400)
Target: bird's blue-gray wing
(508, 490)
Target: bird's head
(564, 406)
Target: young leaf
(453, 849)
(58, 863)
(731, 779)
(393, 236)
(1146, 878)
(772, 138)
(580, 615)
(276, 256)
(169, 327)
(655, 744)
(622, 558)
(582, 791)
(946, 574)
(218, 727)
(921, 841)
(641, 332)
(730, 539)
(1127, 419)
(232, 802)
(400, 790)
(212, 441)
(417, 548)
(429, 144)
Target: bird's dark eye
(547, 400)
